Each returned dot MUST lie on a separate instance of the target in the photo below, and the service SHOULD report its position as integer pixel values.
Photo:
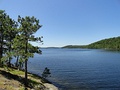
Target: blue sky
(69, 22)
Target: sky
(69, 22)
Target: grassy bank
(13, 79)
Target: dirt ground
(9, 84)
(10, 81)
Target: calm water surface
(79, 69)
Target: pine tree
(28, 26)
(7, 33)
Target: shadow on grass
(31, 83)
(39, 77)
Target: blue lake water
(79, 69)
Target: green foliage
(21, 43)
(7, 33)
(2, 11)
(46, 73)
(28, 26)
(110, 44)
(15, 38)
(75, 46)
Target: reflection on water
(79, 69)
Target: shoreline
(13, 79)
(49, 85)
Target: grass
(14, 74)
(9, 88)
(17, 72)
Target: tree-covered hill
(75, 46)
(110, 44)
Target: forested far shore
(75, 46)
(109, 44)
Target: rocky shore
(50, 86)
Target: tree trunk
(0, 56)
(1, 50)
(26, 81)
(9, 59)
(16, 64)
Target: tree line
(109, 44)
(16, 38)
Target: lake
(79, 69)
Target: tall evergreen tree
(10, 33)
(2, 24)
(28, 26)
(7, 33)
(3, 28)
